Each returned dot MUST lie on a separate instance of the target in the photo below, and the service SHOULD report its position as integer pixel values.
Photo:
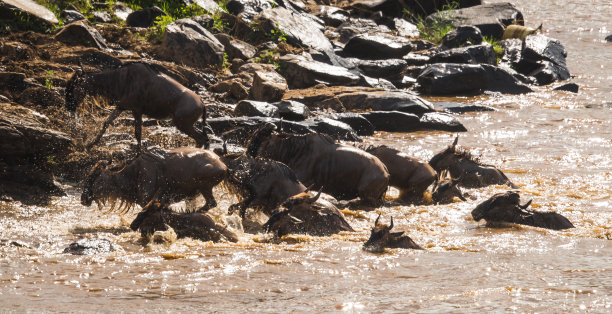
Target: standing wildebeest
(446, 189)
(199, 226)
(344, 172)
(462, 165)
(307, 214)
(141, 89)
(409, 175)
(167, 177)
(262, 183)
(381, 237)
(505, 207)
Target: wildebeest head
(75, 93)
(502, 207)
(381, 237)
(446, 189)
(258, 137)
(90, 188)
(445, 158)
(98, 185)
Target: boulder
(30, 8)
(301, 72)
(378, 46)
(186, 42)
(101, 17)
(361, 125)
(417, 7)
(71, 16)
(292, 110)
(144, 18)
(405, 28)
(513, 49)
(462, 36)
(569, 87)
(475, 54)
(90, 247)
(336, 129)
(608, 38)
(491, 18)
(393, 121)
(548, 72)
(353, 27)
(80, 33)
(268, 85)
(441, 122)
(208, 5)
(246, 10)
(13, 82)
(379, 83)
(236, 48)
(121, 10)
(452, 78)
(251, 108)
(504, 81)
(40, 96)
(543, 58)
(332, 16)
(460, 107)
(391, 69)
(415, 59)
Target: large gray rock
(336, 129)
(268, 85)
(462, 36)
(378, 46)
(292, 110)
(385, 101)
(186, 42)
(548, 55)
(405, 28)
(300, 30)
(353, 27)
(236, 48)
(251, 108)
(247, 9)
(301, 73)
(452, 78)
(80, 33)
(504, 81)
(397, 8)
(438, 121)
(332, 16)
(393, 121)
(361, 125)
(30, 8)
(391, 69)
(491, 18)
(474, 54)
(144, 17)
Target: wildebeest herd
(272, 174)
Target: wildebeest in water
(164, 176)
(141, 89)
(343, 171)
(445, 189)
(471, 172)
(381, 237)
(505, 207)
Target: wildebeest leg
(210, 200)
(186, 125)
(138, 129)
(108, 121)
(246, 202)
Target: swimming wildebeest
(409, 175)
(344, 172)
(141, 89)
(199, 226)
(165, 176)
(471, 172)
(446, 189)
(381, 237)
(307, 214)
(262, 183)
(505, 207)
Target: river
(556, 146)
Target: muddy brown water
(556, 146)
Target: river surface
(556, 146)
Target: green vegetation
(499, 50)
(268, 57)
(277, 35)
(48, 79)
(226, 61)
(434, 29)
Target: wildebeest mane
(459, 153)
(298, 145)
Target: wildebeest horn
(316, 197)
(376, 221)
(455, 142)
(391, 225)
(224, 148)
(526, 205)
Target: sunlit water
(556, 146)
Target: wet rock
(71, 16)
(396, 7)
(301, 72)
(441, 122)
(268, 85)
(462, 36)
(361, 125)
(121, 10)
(391, 69)
(336, 129)
(251, 108)
(40, 96)
(459, 107)
(405, 28)
(543, 58)
(378, 46)
(101, 17)
(236, 48)
(513, 49)
(239, 91)
(300, 30)
(144, 18)
(332, 16)
(415, 59)
(292, 110)
(247, 9)
(491, 18)
(186, 42)
(13, 82)
(376, 83)
(16, 51)
(353, 27)
(475, 54)
(608, 38)
(393, 121)
(80, 33)
(504, 81)
(452, 78)
(569, 87)
(548, 72)
(30, 8)
(250, 124)
(90, 247)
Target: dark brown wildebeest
(344, 172)
(446, 189)
(263, 184)
(505, 207)
(462, 165)
(165, 176)
(141, 89)
(408, 174)
(199, 226)
(307, 214)
(381, 237)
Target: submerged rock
(90, 247)
(459, 107)
(441, 122)
(393, 121)
(569, 87)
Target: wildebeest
(141, 89)
(471, 172)
(164, 176)
(505, 207)
(199, 226)
(262, 183)
(381, 237)
(307, 214)
(344, 172)
(446, 189)
(408, 174)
